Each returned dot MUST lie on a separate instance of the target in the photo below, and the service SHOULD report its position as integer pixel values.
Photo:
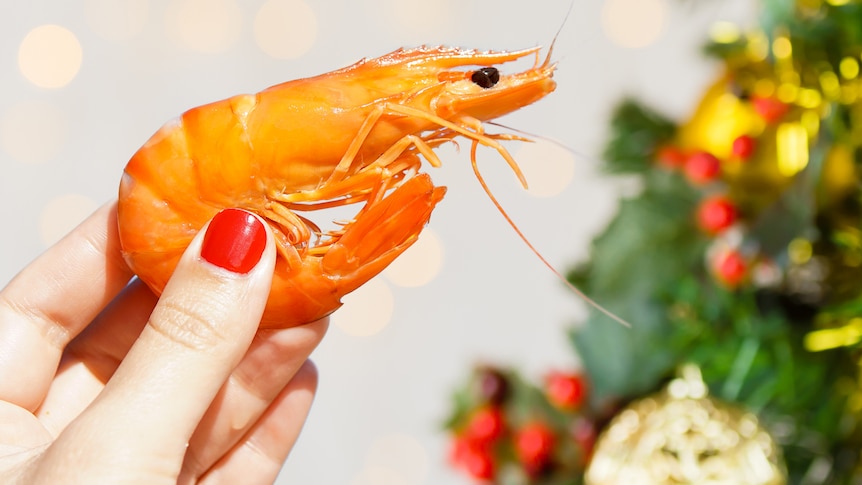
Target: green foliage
(636, 133)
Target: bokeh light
(33, 131)
(117, 20)
(285, 29)
(634, 23)
(208, 26)
(61, 214)
(50, 56)
(366, 311)
(548, 167)
(419, 264)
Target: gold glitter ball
(683, 436)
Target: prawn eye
(486, 77)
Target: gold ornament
(719, 118)
(682, 436)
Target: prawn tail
(386, 229)
(535, 251)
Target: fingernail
(235, 241)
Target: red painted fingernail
(235, 241)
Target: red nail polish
(235, 241)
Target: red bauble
(534, 446)
(716, 214)
(476, 460)
(486, 425)
(670, 157)
(743, 147)
(566, 391)
(702, 167)
(770, 109)
(731, 268)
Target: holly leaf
(636, 133)
(645, 249)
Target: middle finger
(93, 356)
(273, 359)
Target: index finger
(52, 300)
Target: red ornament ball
(716, 214)
(565, 390)
(670, 157)
(731, 268)
(743, 147)
(702, 167)
(770, 109)
(534, 446)
(485, 425)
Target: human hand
(101, 382)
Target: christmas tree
(738, 265)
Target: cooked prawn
(352, 136)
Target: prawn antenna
(533, 136)
(535, 251)
(557, 34)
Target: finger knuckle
(194, 324)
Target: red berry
(460, 448)
(479, 464)
(486, 425)
(566, 391)
(534, 446)
(731, 268)
(770, 109)
(743, 147)
(702, 167)
(476, 460)
(670, 157)
(716, 214)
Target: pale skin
(101, 382)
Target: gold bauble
(682, 436)
(719, 118)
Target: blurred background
(85, 83)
